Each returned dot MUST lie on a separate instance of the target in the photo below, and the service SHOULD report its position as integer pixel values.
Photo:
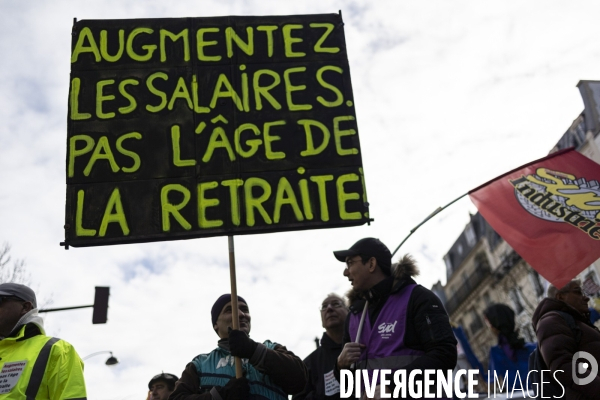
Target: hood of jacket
(32, 317)
(402, 273)
(548, 304)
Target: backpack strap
(572, 324)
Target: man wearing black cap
(406, 326)
(161, 386)
(30, 361)
(270, 371)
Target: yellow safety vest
(40, 368)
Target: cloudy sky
(448, 95)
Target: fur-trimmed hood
(402, 270)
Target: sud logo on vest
(386, 329)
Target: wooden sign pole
(234, 301)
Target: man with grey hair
(563, 328)
(322, 383)
(32, 363)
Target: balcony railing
(508, 262)
(470, 284)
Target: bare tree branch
(14, 271)
(4, 256)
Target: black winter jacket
(558, 345)
(320, 371)
(428, 326)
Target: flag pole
(439, 209)
(433, 214)
(360, 325)
(362, 321)
(234, 301)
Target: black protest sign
(197, 127)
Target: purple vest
(384, 340)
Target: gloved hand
(240, 345)
(236, 389)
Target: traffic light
(101, 305)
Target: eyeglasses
(9, 298)
(333, 304)
(350, 262)
(578, 291)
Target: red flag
(549, 213)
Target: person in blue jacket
(510, 356)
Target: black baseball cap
(17, 290)
(369, 247)
(169, 378)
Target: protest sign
(195, 127)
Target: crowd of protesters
(417, 330)
(385, 321)
(420, 337)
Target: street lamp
(112, 360)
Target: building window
(481, 262)
(487, 299)
(493, 238)
(448, 262)
(534, 277)
(476, 323)
(516, 300)
(465, 278)
(470, 235)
